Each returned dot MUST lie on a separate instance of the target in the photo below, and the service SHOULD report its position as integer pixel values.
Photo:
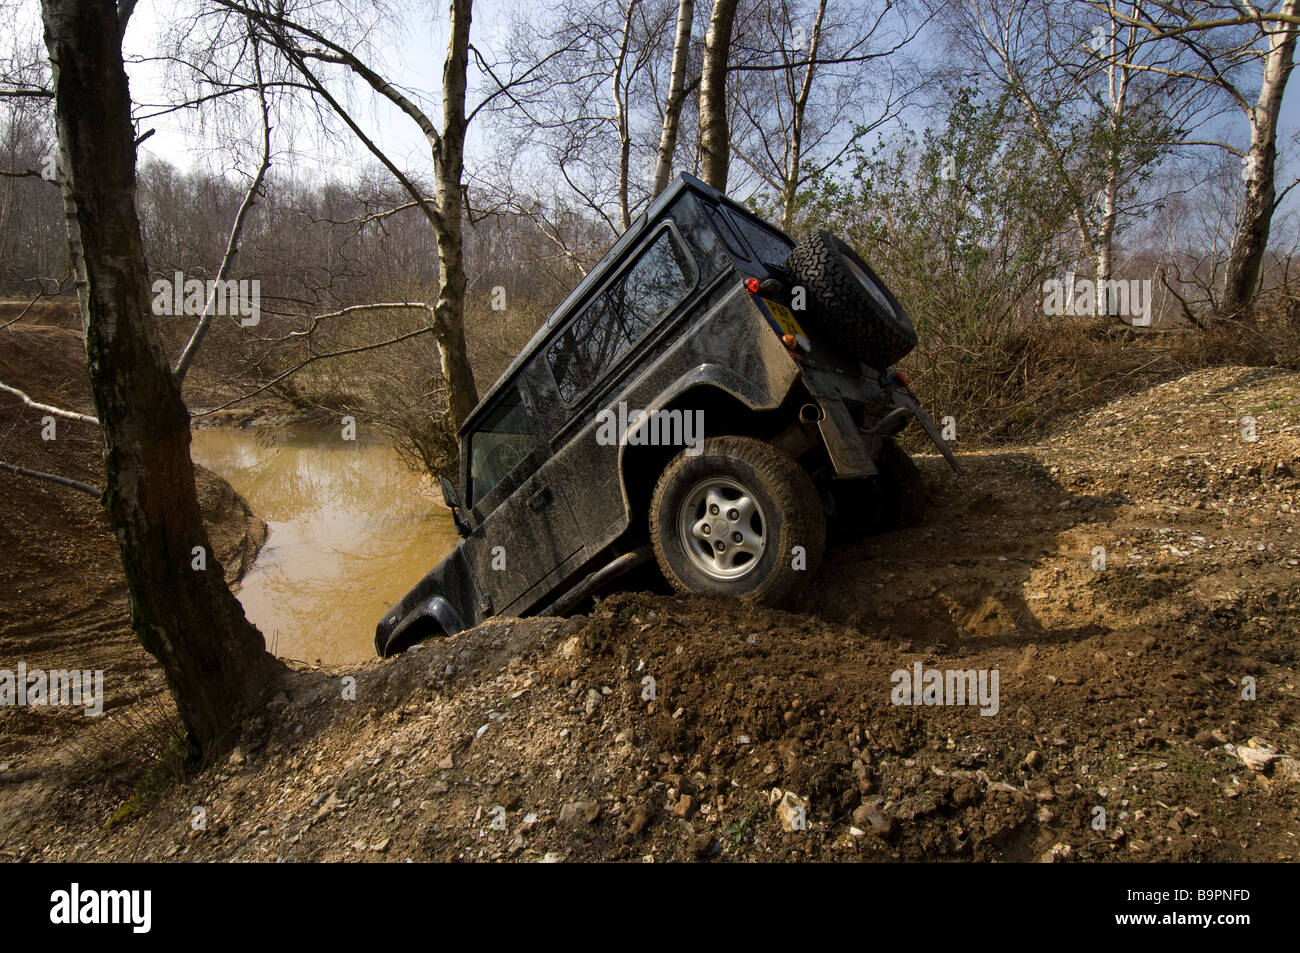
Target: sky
(410, 49)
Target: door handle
(540, 500)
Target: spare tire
(849, 307)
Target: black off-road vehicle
(712, 395)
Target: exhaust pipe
(811, 414)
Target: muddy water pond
(351, 529)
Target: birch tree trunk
(1118, 75)
(449, 168)
(215, 662)
(795, 149)
(622, 120)
(715, 134)
(676, 96)
(1251, 241)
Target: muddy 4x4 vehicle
(711, 393)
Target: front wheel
(739, 518)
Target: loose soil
(1147, 705)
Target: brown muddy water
(350, 531)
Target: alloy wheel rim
(723, 528)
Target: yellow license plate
(784, 319)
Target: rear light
(752, 285)
(790, 341)
(902, 378)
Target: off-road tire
(893, 499)
(842, 309)
(901, 487)
(790, 509)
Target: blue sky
(409, 50)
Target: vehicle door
(524, 524)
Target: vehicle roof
(594, 278)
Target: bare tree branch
(53, 478)
(236, 230)
(47, 408)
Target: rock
(792, 810)
(327, 807)
(578, 814)
(684, 807)
(917, 806)
(1033, 761)
(862, 814)
(1287, 769)
(862, 773)
(705, 845)
(882, 825)
(381, 846)
(236, 758)
(639, 818)
(1256, 755)
(1059, 854)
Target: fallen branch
(56, 411)
(53, 478)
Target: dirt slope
(64, 603)
(1120, 690)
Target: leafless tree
(182, 611)
(1224, 46)
(812, 79)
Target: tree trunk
(1246, 260)
(715, 136)
(1118, 78)
(676, 96)
(623, 121)
(215, 662)
(449, 166)
(794, 159)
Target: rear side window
(770, 247)
(620, 316)
(505, 438)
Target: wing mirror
(452, 499)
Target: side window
(704, 237)
(620, 316)
(499, 445)
(770, 247)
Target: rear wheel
(740, 518)
(893, 499)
